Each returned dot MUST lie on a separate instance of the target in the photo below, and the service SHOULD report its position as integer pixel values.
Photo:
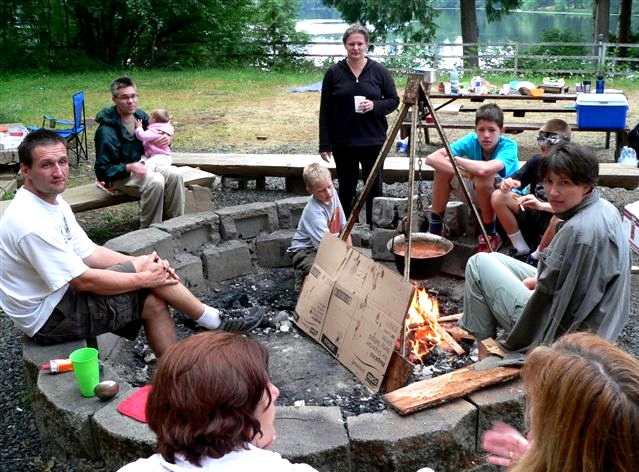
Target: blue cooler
(602, 110)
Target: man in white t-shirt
(57, 285)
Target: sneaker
(493, 239)
(532, 261)
(520, 256)
(241, 321)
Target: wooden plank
(395, 168)
(455, 317)
(488, 347)
(430, 392)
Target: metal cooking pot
(428, 252)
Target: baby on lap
(155, 155)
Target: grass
(213, 109)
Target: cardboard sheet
(354, 307)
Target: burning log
(455, 317)
(458, 333)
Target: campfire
(423, 331)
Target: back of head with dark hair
(205, 393)
(490, 112)
(121, 82)
(571, 160)
(41, 137)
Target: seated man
(118, 156)
(481, 156)
(583, 278)
(525, 213)
(322, 213)
(57, 285)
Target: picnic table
(446, 103)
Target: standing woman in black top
(355, 136)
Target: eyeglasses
(132, 96)
(549, 139)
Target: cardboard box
(631, 224)
(355, 308)
(602, 110)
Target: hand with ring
(504, 444)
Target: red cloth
(134, 406)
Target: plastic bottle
(454, 81)
(600, 84)
(628, 157)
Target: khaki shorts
(80, 315)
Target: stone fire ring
(92, 434)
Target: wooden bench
(91, 197)
(290, 166)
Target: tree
(601, 12)
(625, 18)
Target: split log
(459, 334)
(430, 392)
(397, 373)
(488, 347)
(456, 317)
(448, 339)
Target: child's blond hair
(160, 116)
(314, 173)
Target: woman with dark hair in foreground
(212, 408)
(582, 411)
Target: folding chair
(76, 136)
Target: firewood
(448, 339)
(488, 347)
(459, 334)
(430, 392)
(456, 317)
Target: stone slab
(313, 435)
(189, 232)
(109, 345)
(247, 221)
(270, 249)
(499, 403)
(191, 272)
(63, 416)
(121, 439)
(35, 355)
(379, 239)
(226, 261)
(143, 241)
(442, 438)
(289, 211)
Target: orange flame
(422, 330)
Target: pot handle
(401, 229)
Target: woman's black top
(339, 125)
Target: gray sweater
(583, 279)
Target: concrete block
(189, 268)
(388, 211)
(63, 416)
(109, 345)
(499, 403)
(121, 439)
(295, 185)
(442, 438)
(378, 244)
(313, 435)
(455, 218)
(143, 241)
(361, 236)
(289, 211)
(190, 232)
(226, 261)
(270, 249)
(197, 199)
(247, 221)
(35, 355)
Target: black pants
(347, 161)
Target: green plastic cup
(86, 369)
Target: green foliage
(63, 34)
(410, 20)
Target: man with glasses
(520, 202)
(118, 153)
